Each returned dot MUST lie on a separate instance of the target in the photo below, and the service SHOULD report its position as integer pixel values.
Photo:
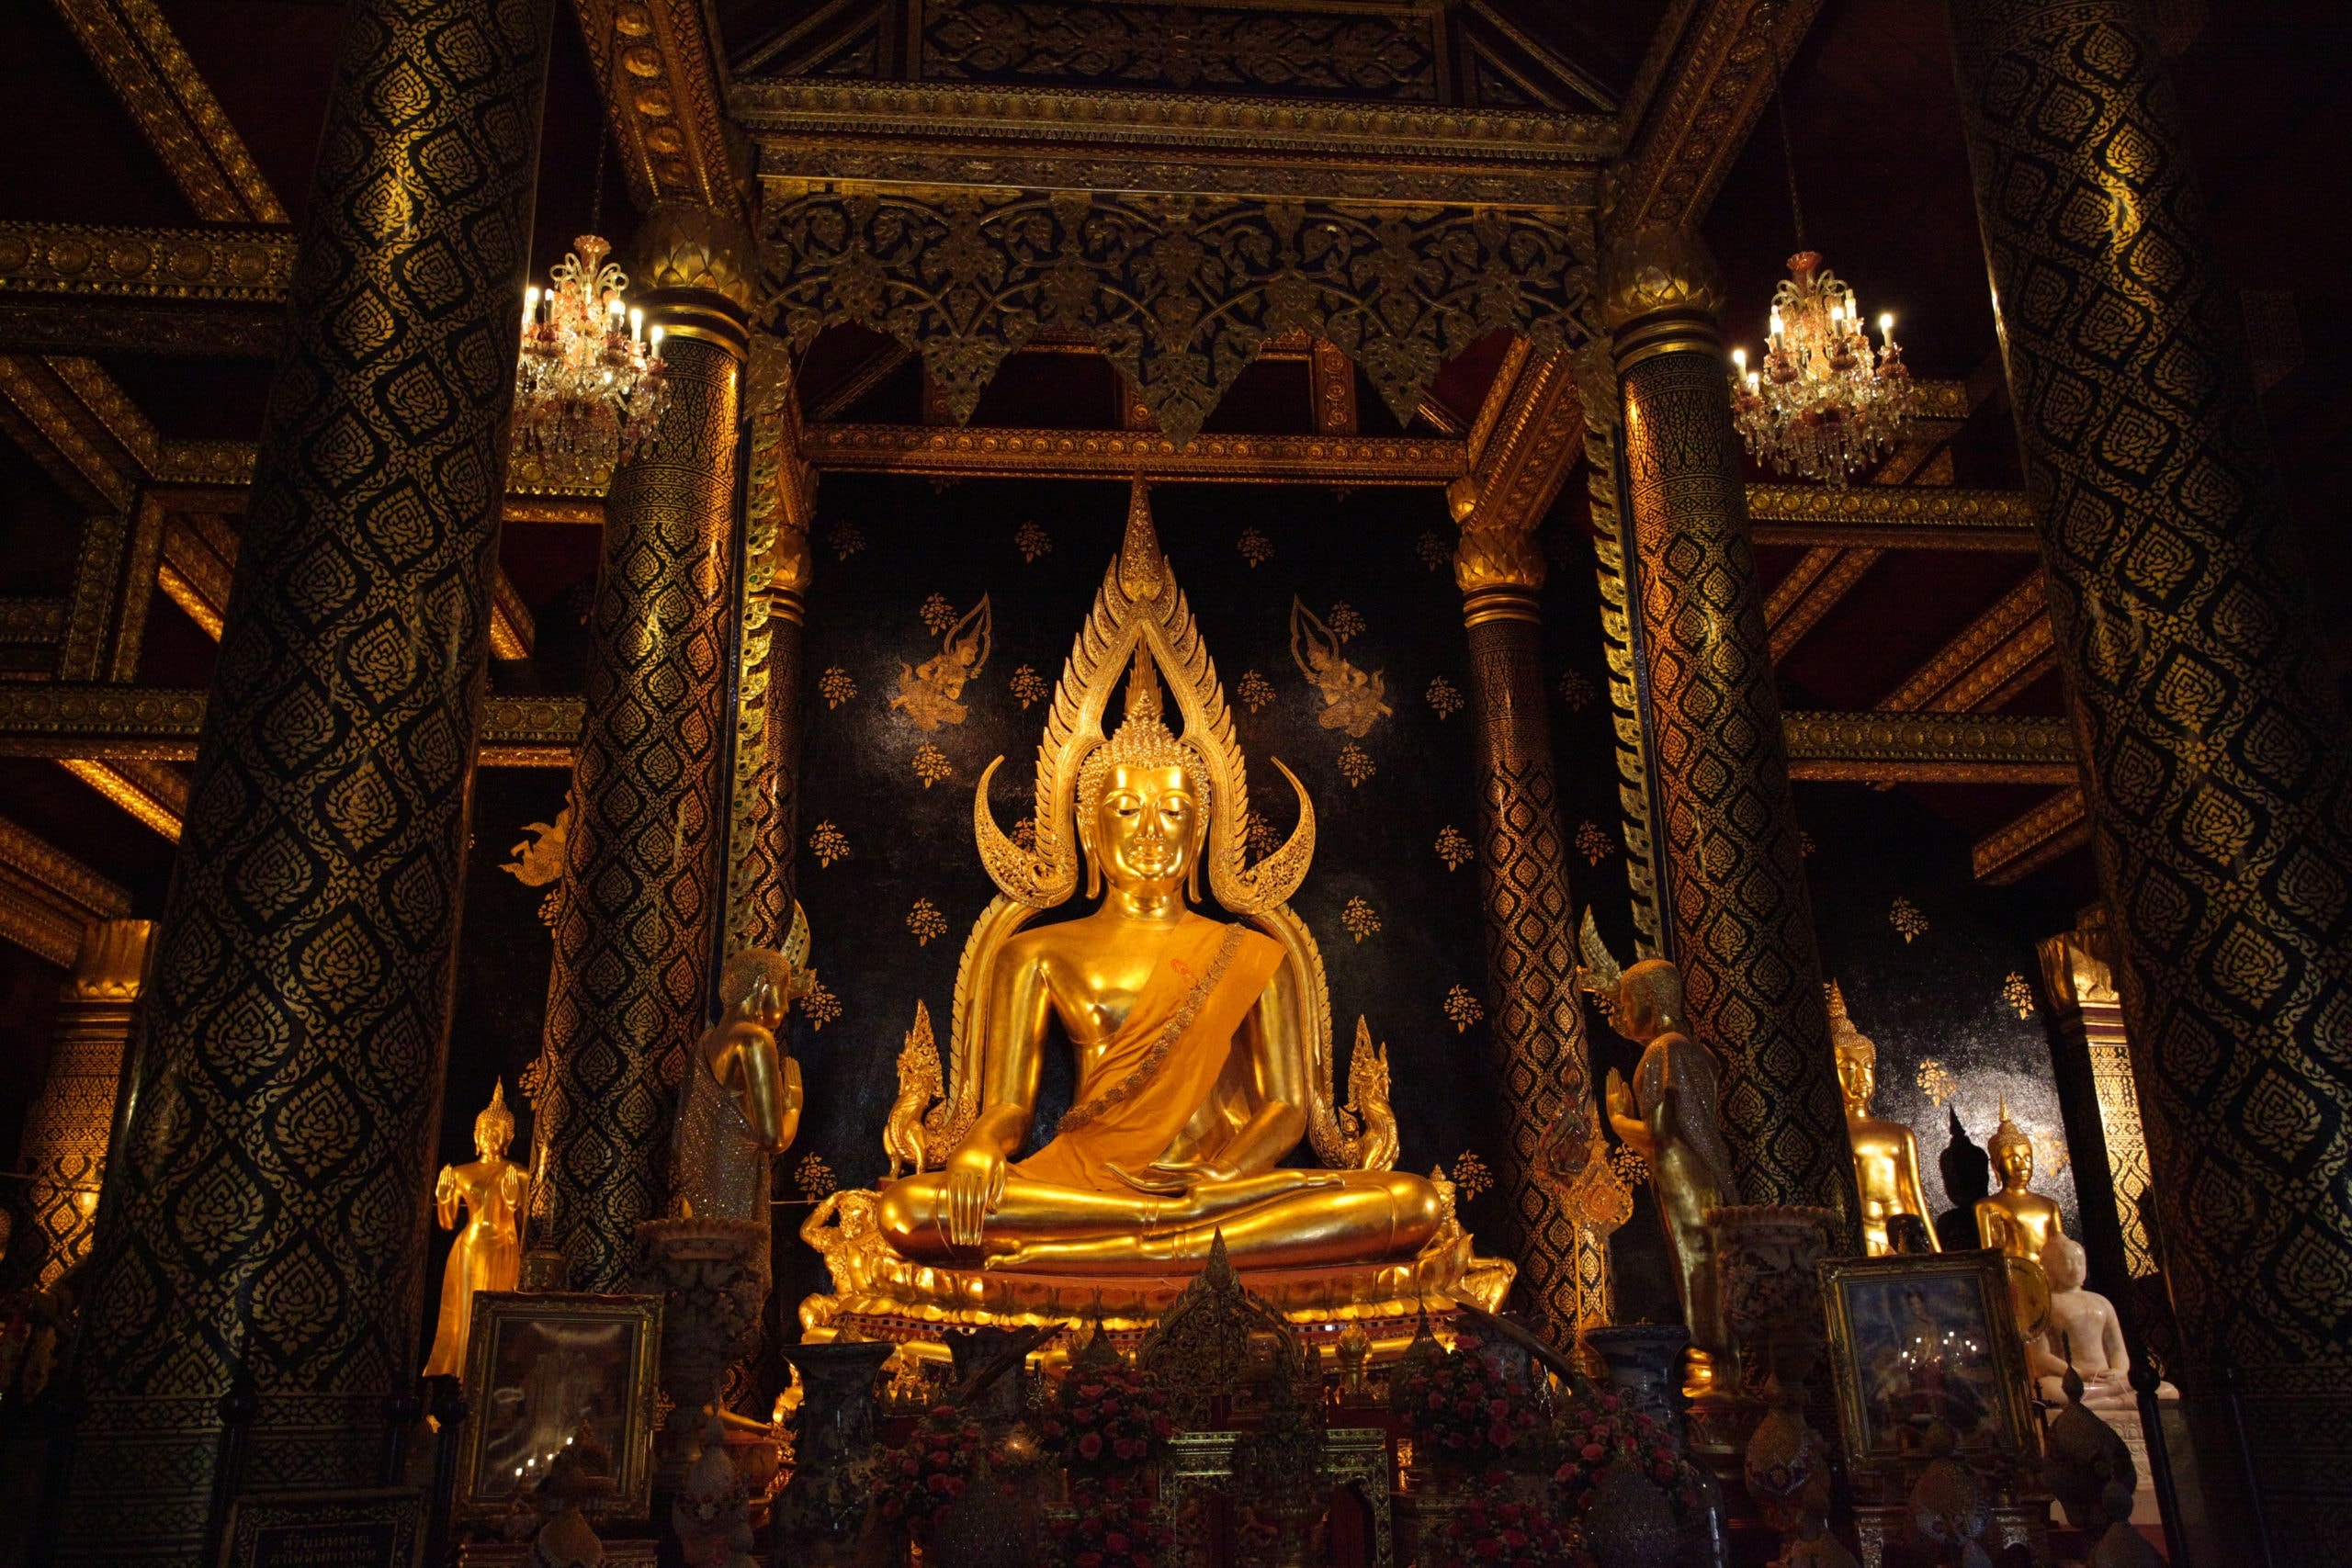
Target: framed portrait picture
(540, 1366)
(1922, 1338)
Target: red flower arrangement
(913, 1482)
(1594, 1436)
(1464, 1414)
(1115, 1524)
(1104, 1421)
(1494, 1534)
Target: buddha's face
(1649, 1000)
(1857, 1076)
(490, 1138)
(2062, 1260)
(2014, 1160)
(1147, 827)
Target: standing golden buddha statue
(2020, 1223)
(739, 1106)
(1204, 1045)
(1886, 1156)
(487, 1254)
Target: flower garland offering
(1115, 1523)
(1465, 1414)
(1493, 1534)
(1105, 1420)
(914, 1481)
(1594, 1436)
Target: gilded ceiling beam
(1812, 589)
(1529, 434)
(1712, 96)
(46, 896)
(2016, 849)
(134, 49)
(1990, 660)
(945, 451)
(1921, 749)
(1897, 517)
(664, 93)
(106, 722)
(155, 793)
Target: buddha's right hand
(974, 1182)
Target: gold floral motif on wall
(1471, 1175)
(1032, 540)
(828, 843)
(1352, 700)
(847, 539)
(2017, 991)
(1356, 764)
(1029, 688)
(1462, 1009)
(1255, 691)
(926, 922)
(1594, 842)
(814, 1177)
(1576, 691)
(927, 692)
(1444, 700)
(836, 687)
(1359, 918)
(1454, 847)
(931, 764)
(1936, 1083)
(819, 1007)
(1905, 917)
(1255, 548)
(1435, 549)
(1259, 837)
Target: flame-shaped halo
(1140, 606)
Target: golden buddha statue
(488, 1254)
(1203, 1046)
(1668, 1116)
(2020, 1223)
(1886, 1156)
(739, 1106)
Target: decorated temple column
(1538, 1027)
(644, 887)
(760, 881)
(264, 1214)
(1736, 916)
(2214, 741)
(67, 1129)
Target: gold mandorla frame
(631, 1380)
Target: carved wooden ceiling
(194, 122)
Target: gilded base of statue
(917, 1304)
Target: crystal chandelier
(1824, 402)
(589, 386)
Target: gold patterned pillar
(1538, 1028)
(1734, 894)
(760, 881)
(2215, 749)
(265, 1211)
(66, 1129)
(643, 884)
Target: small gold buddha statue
(488, 1254)
(1668, 1116)
(1203, 1046)
(2020, 1223)
(1886, 1156)
(739, 1106)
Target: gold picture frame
(539, 1365)
(1922, 1336)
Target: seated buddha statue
(1886, 1155)
(1203, 1044)
(2016, 1219)
(1191, 1081)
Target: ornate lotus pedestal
(713, 1276)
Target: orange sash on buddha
(1160, 1066)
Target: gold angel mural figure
(927, 692)
(1351, 699)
